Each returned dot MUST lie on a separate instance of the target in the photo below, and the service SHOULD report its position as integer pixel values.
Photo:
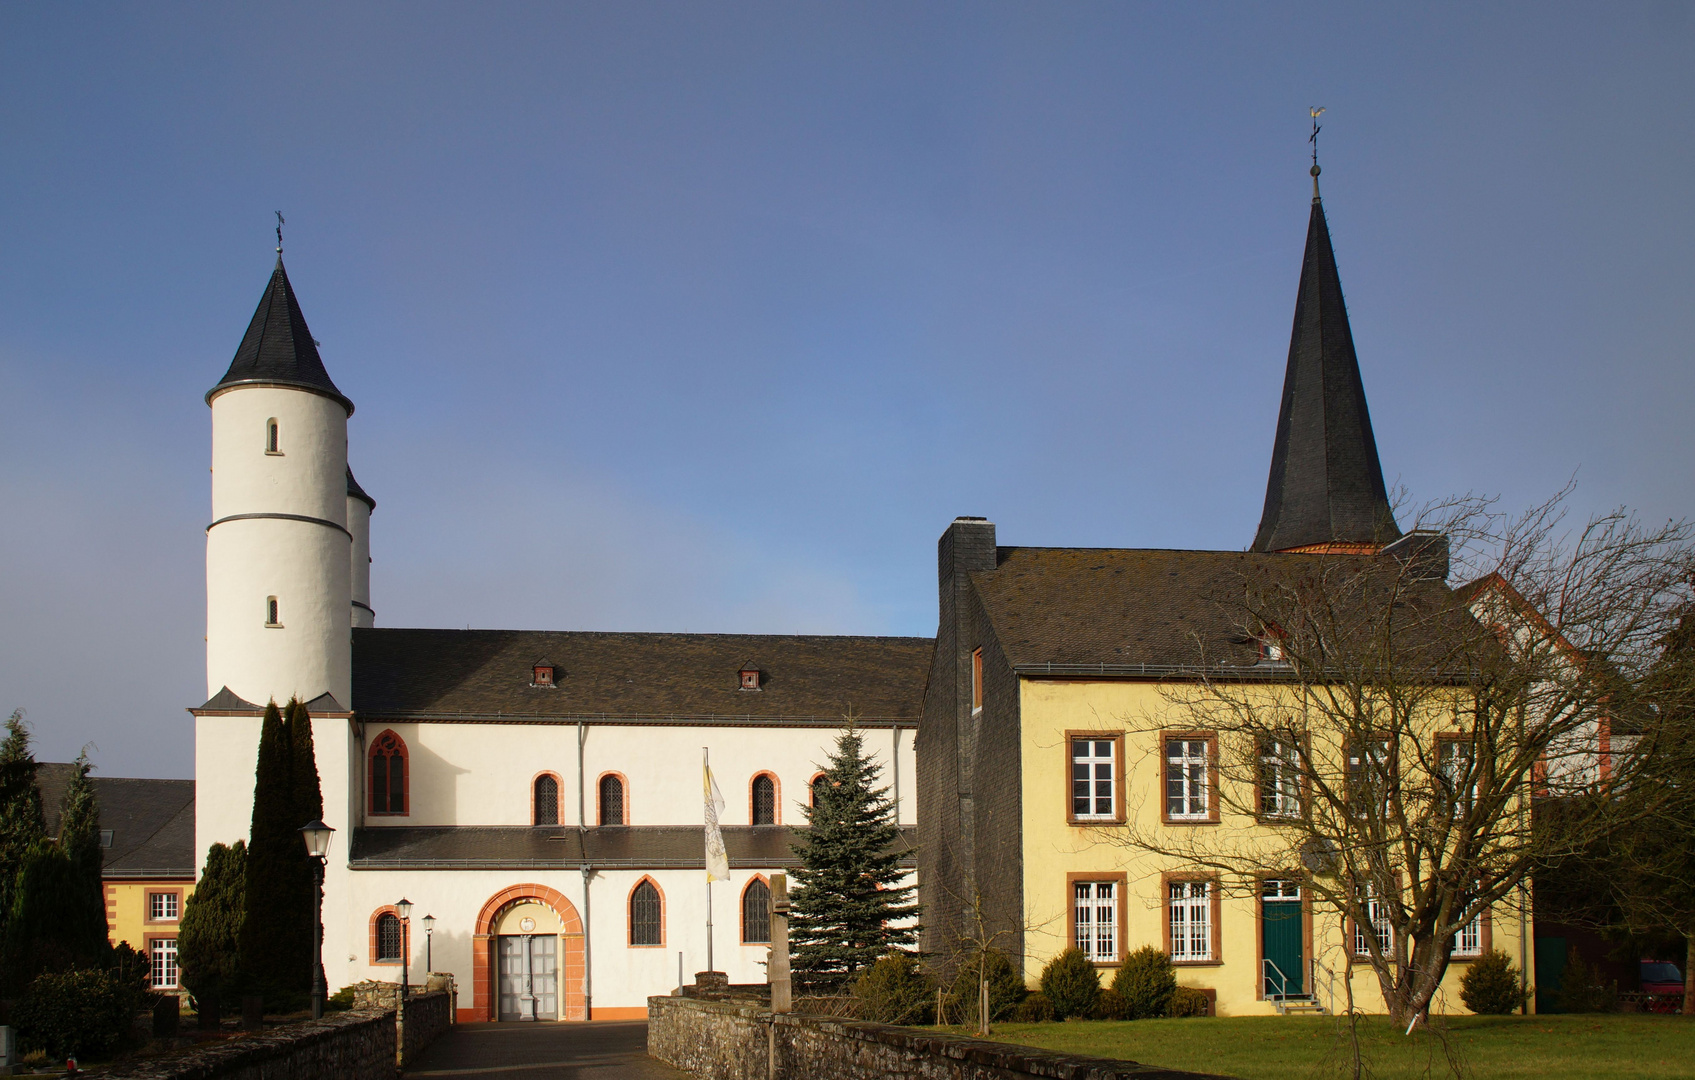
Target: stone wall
(729, 1040)
(349, 1046)
(428, 1012)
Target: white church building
(537, 794)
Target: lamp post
(317, 837)
(404, 907)
(429, 929)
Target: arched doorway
(528, 947)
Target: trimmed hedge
(1146, 982)
(1071, 982)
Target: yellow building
(1075, 779)
(147, 833)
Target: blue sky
(691, 317)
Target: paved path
(601, 1050)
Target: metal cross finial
(1315, 112)
(279, 231)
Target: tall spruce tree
(849, 893)
(22, 824)
(208, 940)
(276, 940)
(84, 916)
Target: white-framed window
(1096, 920)
(162, 906)
(1453, 768)
(1094, 785)
(1469, 941)
(1280, 778)
(1190, 916)
(1377, 921)
(162, 955)
(1186, 794)
(1369, 764)
(1280, 889)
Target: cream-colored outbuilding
(539, 795)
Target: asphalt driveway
(598, 1050)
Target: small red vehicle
(1663, 983)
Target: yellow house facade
(1075, 789)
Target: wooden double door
(528, 976)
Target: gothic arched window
(647, 915)
(612, 800)
(764, 800)
(388, 937)
(546, 800)
(756, 913)
(388, 774)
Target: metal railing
(1278, 980)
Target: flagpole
(706, 763)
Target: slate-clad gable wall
(997, 785)
(946, 750)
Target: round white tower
(359, 507)
(279, 551)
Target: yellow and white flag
(717, 859)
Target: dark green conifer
(83, 920)
(849, 893)
(272, 875)
(22, 824)
(208, 942)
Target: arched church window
(388, 938)
(273, 445)
(764, 800)
(546, 800)
(612, 799)
(647, 915)
(756, 913)
(388, 774)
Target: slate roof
(357, 492)
(1326, 482)
(152, 821)
(278, 349)
(640, 847)
(1159, 609)
(486, 674)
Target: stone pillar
(778, 969)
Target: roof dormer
(545, 675)
(751, 676)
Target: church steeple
(1326, 487)
(278, 349)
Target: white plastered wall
(359, 524)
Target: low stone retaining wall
(347, 1046)
(428, 1013)
(728, 1040)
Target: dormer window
(1270, 651)
(750, 677)
(543, 676)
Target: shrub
(341, 1000)
(1490, 985)
(1006, 988)
(74, 1013)
(895, 990)
(1071, 982)
(1035, 1009)
(1110, 1005)
(1581, 989)
(1187, 1001)
(1146, 982)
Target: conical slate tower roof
(1326, 483)
(354, 491)
(278, 349)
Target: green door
(1550, 969)
(1280, 930)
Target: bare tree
(1386, 735)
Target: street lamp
(317, 837)
(429, 928)
(404, 907)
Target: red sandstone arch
(571, 962)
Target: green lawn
(1305, 1047)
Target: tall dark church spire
(278, 349)
(1326, 486)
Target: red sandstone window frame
(812, 788)
(405, 756)
(147, 941)
(1118, 780)
(558, 799)
(1166, 738)
(376, 959)
(630, 914)
(776, 798)
(741, 908)
(599, 804)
